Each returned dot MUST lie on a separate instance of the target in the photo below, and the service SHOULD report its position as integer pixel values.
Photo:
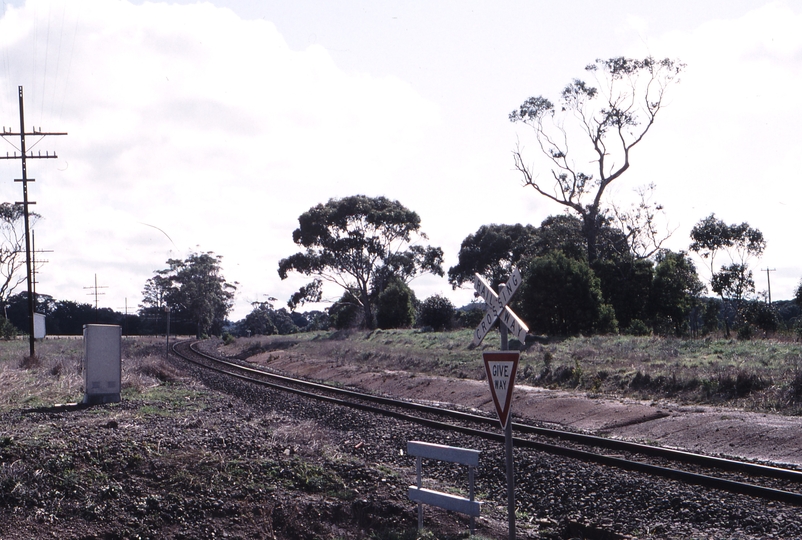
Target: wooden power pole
(24, 156)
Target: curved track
(659, 461)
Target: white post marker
(500, 367)
(497, 308)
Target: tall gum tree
(193, 288)
(739, 243)
(611, 118)
(358, 243)
(12, 248)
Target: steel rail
(625, 464)
(581, 438)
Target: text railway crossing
(497, 308)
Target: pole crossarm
(32, 134)
(24, 155)
(31, 155)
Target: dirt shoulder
(711, 430)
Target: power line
(96, 294)
(23, 157)
(34, 251)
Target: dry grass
(54, 374)
(761, 374)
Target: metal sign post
(501, 366)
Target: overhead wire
(69, 67)
(58, 61)
(4, 51)
(41, 77)
(44, 71)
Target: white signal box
(102, 363)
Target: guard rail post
(452, 454)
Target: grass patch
(55, 374)
(761, 375)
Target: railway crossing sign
(500, 367)
(497, 307)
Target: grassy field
(763, 375)
(171, 453)
(55, 375)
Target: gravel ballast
(208, 457)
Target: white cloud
(728, 142)
(202, 124)
(209, 126)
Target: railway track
(757, 480)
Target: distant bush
(637, 328)
(7, 330)
(346, 312)
(763, 316)
(437, 312)
(395, 307)
(469, 316)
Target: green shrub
(437, 312)
(469, 317)
(346, 312)
(395, 307)
(637, 328)
(562, 296)
(7, 330)
(745, 332)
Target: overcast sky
(213, 126)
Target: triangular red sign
(500, 367)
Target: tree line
(596, 268)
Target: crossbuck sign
(497, 308)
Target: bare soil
(707, 429)
(189, 455)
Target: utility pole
(24, 156)
(125, 317)
(96, 294)
(34, 251)
(768, 278)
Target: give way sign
(497, 308)
(500, 367)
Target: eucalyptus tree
(193, 288)
(492, 251)
(675, 291)
(798, 295)
(609, 120)
(732, 280)
(12, 248)
(359, 243)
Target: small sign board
(501, 367)
(39, 331)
